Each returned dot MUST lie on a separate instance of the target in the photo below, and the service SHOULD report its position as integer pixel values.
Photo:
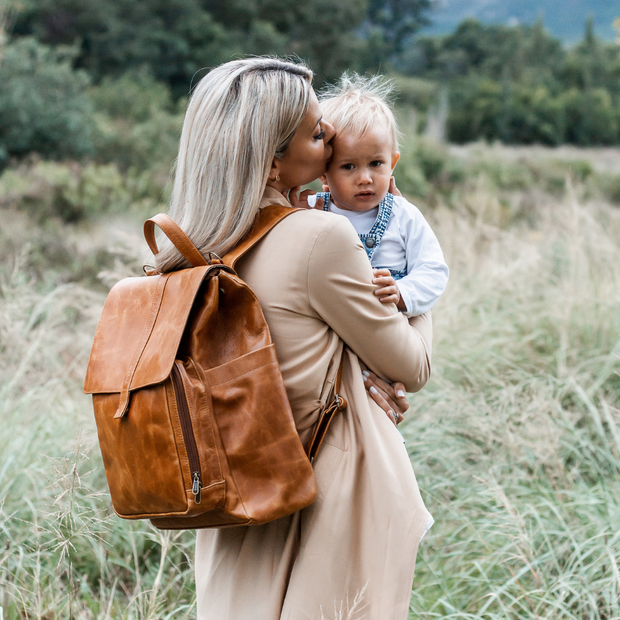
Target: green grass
(515, 440)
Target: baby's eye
(347, 166)
(376, 163)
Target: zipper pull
(196, 489)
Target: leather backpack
(194, 424)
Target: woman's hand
(301, 201)
(391, 397)
(393, 189)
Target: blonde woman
(253, 131)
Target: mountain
(565, 19)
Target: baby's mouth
(365, 194)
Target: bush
(135, 95)
(74, 192)
(591, 117)
(43, 105)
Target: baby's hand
(301, 201)
(387, 290)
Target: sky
(565, 19)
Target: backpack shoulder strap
(266, 219)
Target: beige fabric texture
(353, 550)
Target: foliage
(73, 193)
(43, 106)
(173, 39)
(519, 85)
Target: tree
(174, 38)
(43, 106)
(398, 20)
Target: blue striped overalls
(372, 239)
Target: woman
(252, 133)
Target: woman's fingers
(393, 189)
(383, 403)
(395, 393)
(393, 396)
(300, 201)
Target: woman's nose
(328, 130)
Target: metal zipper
(188, 432)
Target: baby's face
(360, 170)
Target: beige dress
(353, 550)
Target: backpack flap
(139, 332)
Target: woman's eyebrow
(320, 119)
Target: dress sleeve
(427, 272)
(340, 292)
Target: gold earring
(277, 178)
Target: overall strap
(266, 219)
(372, 239)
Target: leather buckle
(213, 258)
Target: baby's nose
(365, 176)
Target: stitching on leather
(211, 420)
(148, 325)
(243, 373)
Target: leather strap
(326, 416)
(158, 295)
(180, 240)
(266, 219)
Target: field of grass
(515, 440)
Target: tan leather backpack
(194, 424)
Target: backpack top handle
(180, 240)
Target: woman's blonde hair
(358, 103)
(240, 116)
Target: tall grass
(515, 440)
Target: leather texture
(193, 420)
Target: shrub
(43, 106)
(135, 95)
(591, 117)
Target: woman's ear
(395, 159)
(274, 173)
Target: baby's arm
(387, 291)
(427, 272)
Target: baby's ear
(395, 159)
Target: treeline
(177, 38)
(106, 79)
(520, 85)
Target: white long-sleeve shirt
(408, 245)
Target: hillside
(563, 18)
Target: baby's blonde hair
(358, 103)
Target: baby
(408, 263)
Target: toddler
(408, 263)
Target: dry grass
(515, 441)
